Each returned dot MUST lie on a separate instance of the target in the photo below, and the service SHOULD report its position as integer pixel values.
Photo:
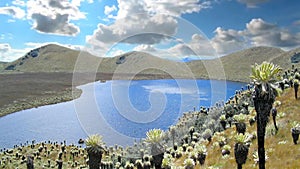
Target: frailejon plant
(223, 121)
(241, 149)
(94, 147)
(167, 162)
(154, 138)
(207, 135)
(296, 87)
(139, 164)
(173, 134)
(202, 153)
(240, 123)
(295, 131)
(264, 94)
(226, 150)
(189, 163)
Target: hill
(49, 58)
(236, 66)
(54, 58)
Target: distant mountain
(235, 66)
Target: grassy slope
(242, 61)
(280, 155)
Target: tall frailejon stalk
(154, 138)
(94, 147)
(263, 76)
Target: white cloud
(7, 54)
(142, 22)
(19, 3)
(54, 17)
(252, 3)
(4, 47)
(262, 33)
(135, 29)
(109, 9)
(175, 7)
(228, 41)
(13, 11)
(34, 45)
(145, 48)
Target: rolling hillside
(235, 66)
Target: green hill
(54, 58)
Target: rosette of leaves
(240, 123)
(221, 140)
(207, 135)
(139, 164)
(167, 162)
(241, 149)
(129, 165)
(202, 153)
(154, 138)
(226, 150)
(179, 152)
(223, 121)
(295, 131)
(94, 147)
(189, 163)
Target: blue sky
(173, 29)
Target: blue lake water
(120, 110)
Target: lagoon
(122, 111)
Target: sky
(172, 29)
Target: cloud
(198, 46)
(34, 45)
(54, 17)
(109, 9)
(19, 3)
(4, 47)
(135, 29)
(7, 54)
(145, 48)
(58, 25)
(252, 3)
(175, 7)
(262, 33)
(228, 41)
(145, 22)
(13, 11)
